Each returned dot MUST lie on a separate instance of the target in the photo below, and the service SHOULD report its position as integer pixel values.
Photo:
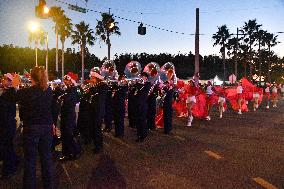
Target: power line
(153, 26)
(241, 9)
(135, 21)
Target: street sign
(77, 8)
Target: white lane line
(264, 183)
(213, 154)
(67, 174)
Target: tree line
(251, 47)
(18, 59)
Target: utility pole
(259, 54)
(196, 64)
(108, 41)
(236, 58)
(46, 58)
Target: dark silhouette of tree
(83, 36)
(106, 27)
(221, 37)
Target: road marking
(213, 154)
(67, 174)
(264, 183)
(76, 165)
(179, 138)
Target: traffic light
(141, 30)
(42, 11)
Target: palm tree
(83, 36)
(259, 35)
(56, 14)
(233, 51)
(249, 38)
(270, 40)
(107, 27)
(221, 37)
(64, 30)
(38, 37)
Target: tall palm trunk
(62, 57)
(108, 46)
(224, 65)
(269, 65)
(250, 63)
(259, 54)
(83, 58)
(56, 50)
(36, 46)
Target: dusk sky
(176, 15)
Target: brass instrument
(132, 70)
(167, 72)
(152, 69)
(108, 70)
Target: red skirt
(212, 99)
(240, 96)
(267, 95)
(274, 95)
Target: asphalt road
(239, 151)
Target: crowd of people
(146, 97)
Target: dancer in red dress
(267, 95)
(240, 97)
(256, 97)
(274, 95)
(191, 100)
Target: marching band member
(119, 98)
(108, 71)
(240, 97)
(70, 147)
(132, 71)
(274, 95)
(191, 100)
(98, 93)
(7, 127)
(142, 97)
(169, 78)
(37, 102)
(267, 95)
(152, 69)
(84, 119)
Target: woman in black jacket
(7, 127)
(36, 102)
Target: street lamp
(45, 10)
(33, 27)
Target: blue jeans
(7, 149)
(38, 138)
